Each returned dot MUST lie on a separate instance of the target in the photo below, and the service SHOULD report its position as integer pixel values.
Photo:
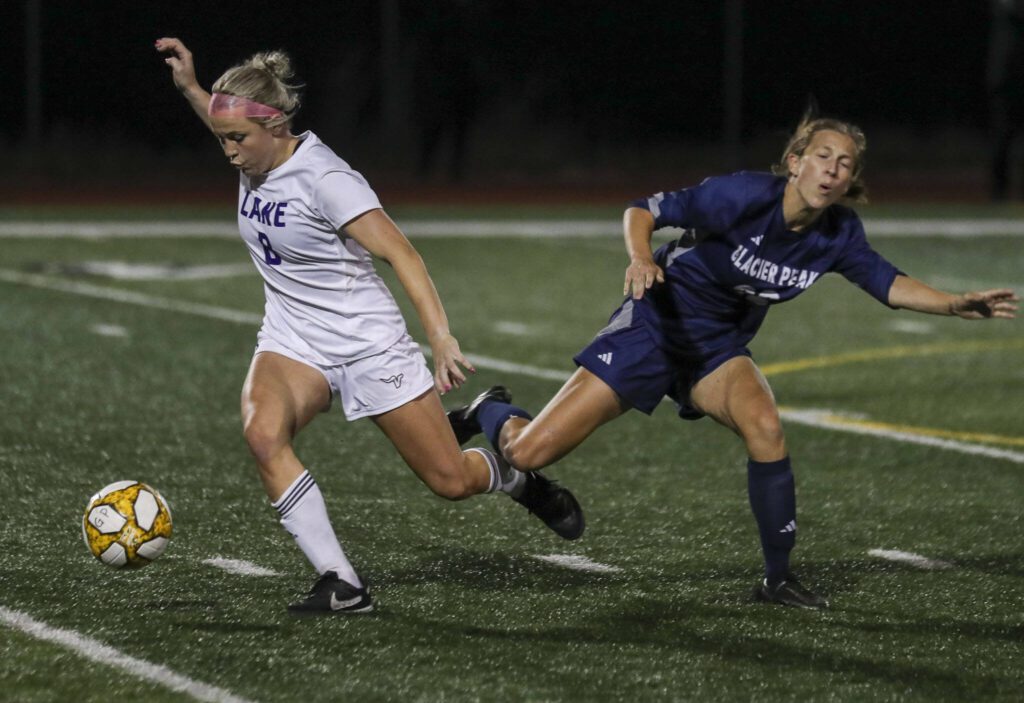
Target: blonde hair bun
(276, 63)
(264, 78)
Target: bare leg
(279, 398)
(582, 405)
(737, 395)
(422, 435)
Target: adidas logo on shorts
(606, 358)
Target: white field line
(137, 229)
(515, 329)
(910, 558)
(109, 330)
(96, 651)
(824, 420)
(239, 567)
(911, 327)
(478, 228)
(130, 297)
(492, 364)
(942, 228)
(812, 418)
(577, 563)
(126, 271)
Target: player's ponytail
(264, 78)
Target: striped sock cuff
(492, 465)
(294, 494)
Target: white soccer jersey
(325, 300)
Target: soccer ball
(126, 524)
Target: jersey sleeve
(341, 196)
(862, 265)
(714, 205)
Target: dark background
(581, 93)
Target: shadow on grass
(679, 627)
(704, 618)
(185, 605)
(234, 627)
(494, 571)
(993, 565)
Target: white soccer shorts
(374, 384)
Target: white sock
(304, 515)
(504, 478)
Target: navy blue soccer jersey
(739, 258)
(736, 258)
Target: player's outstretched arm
(912, 294)
(381, 237)
(183, 73)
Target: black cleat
(553, 504)
(332, 596)
(463, 420)
(789, 592)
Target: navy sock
(772, 492)
(493, 415)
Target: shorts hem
(683, 407)
(271, 345)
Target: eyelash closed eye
(843, 163)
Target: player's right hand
(180, 60)
(640, 276)
(447, 359)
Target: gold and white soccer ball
(127, 524)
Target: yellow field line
(840, 421)
(899, 352)
(903, 352)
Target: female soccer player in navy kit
(331, 328)
(752, 240)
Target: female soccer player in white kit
(331, 328)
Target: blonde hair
(810, 125)
(263, 78)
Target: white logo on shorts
(397, 380)
(606, 358)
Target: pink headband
(224, 105)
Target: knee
(451, 480)
(450, 485)
(763, 433)
(526, 453)
(265, 440)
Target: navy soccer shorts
(630, 356)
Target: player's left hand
(979, 305)
(640, 276)
(447, 360)
(179, 58)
